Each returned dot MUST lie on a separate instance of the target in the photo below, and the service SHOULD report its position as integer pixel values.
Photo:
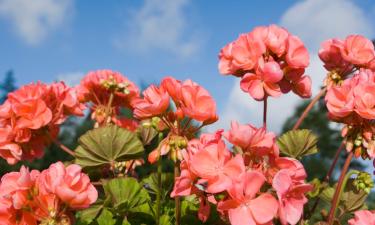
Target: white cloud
(314, 21)
(70, 79)
(34, 19)
(317, 20)
(160, 25)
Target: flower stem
(334, 162)
(328, 176)
(309, 107)
(159, 172)
(339, 189)
(265, 112)
(177, 198)
(64, 148)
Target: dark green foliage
(8, 85)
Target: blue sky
(148, 39)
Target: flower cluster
(191, 102)
(30, 119)
(353, 103)
(270, 61)
(342, 57)
(108, 91)
(46, 197)
(257, 184)
(363, 217)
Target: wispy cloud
(32, 20)
(314, 21)
(160, 25)
(71, 78)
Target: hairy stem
(339, 189)
(159, 172)
(309, 107)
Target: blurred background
(50, 40)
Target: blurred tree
(8, 85)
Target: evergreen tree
(8, 85)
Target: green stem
(159, 172)
(340, 188)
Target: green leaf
(151, 183)
(86, 216)
(147, 134)
(165, 220)
(327, 194)
(106, 218)
(105, 145)
(125, 193)
(298, 143)
(352, 199)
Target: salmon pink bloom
(364, 101)
(252, 140)
(184, 184)
(173, 87)
(264, 82)
(246, 52)
(155, 102)
(291, 196)
(330, 54)
(245, 207)
(97, 86)
(197, 103)
(71, 185)
(297, 55)
(340, 101)
(216, 166)
(225, 60)
(358, 50)
(16, 186)
(363, 217)
(302, 87)
(276, 39)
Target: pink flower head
(28, 105)
(97, 87)
(71, 185)
(16, 186)
(216, 166)
(276, 39)
(297, 55)
(251, 139)
(264, 82)
(173, 87)
(246, 52)
(364, 101)
(225, 60)
(63, 101)
(245, 207)
(340, 101)
(330, 54)
(155, 102)
(197, 103)
(363, 217)
(291, 195)
(358, 50)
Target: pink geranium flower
(358, 50)
(197, 103)
(155, 101)
(363, 217)
(263, 83)
(71, 185)
(244, 207)
(216, 166)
